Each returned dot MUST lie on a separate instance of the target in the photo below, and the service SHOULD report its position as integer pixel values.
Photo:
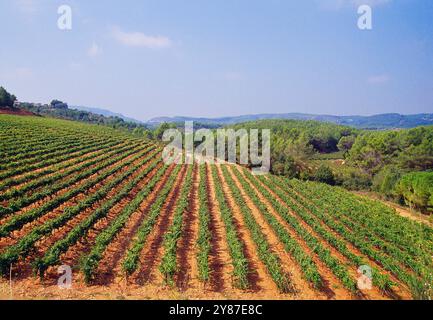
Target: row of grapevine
(324, 254)
(91, 260)
(48, 181)
(387, 248)
(8, 183)
(383, 221)
(65, 149)
(49, 147)
(389, 264)
(309, 268)
(52, 256)
(236, 247)
(17, 221)
(379, 279)
(131, 261)
(204, 234)
(269, 258)
(380, 223)
(25, 244)
(20, 143)
(95, 146)
(168, 266)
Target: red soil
(16, 111)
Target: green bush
(353, 179)
(417, 190)
(324, 174)
(386, 180)
(286, 167)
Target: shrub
(386, 180)
(324, 174)
(417, 190)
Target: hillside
(60, 110)
(381, 121)
(106, 113)
(103, 203)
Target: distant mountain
(106, 113)
(381, 121)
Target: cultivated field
(104, 203)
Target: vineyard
(103, 202)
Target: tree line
(6, 99)
(397, 164)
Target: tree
(407, 149)
(57, 104)
(386, 180)
(324, 174)
(417, 190)
(6, 99)
(159, 132)
(346, 143)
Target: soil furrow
(258, 276)
(109, 270)
(332, 286)
(187, 276)
(152, 252)
(16, 235)
(220, 260)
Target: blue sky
(221, 58)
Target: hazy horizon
(312, 114)
(147, 59)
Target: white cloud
(94, 50)
(138, 39)
(379, 79)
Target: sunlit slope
(104, 203)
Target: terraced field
(104, 203)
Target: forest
(397, 164)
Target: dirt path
(404, 212)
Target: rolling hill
(380, 121)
